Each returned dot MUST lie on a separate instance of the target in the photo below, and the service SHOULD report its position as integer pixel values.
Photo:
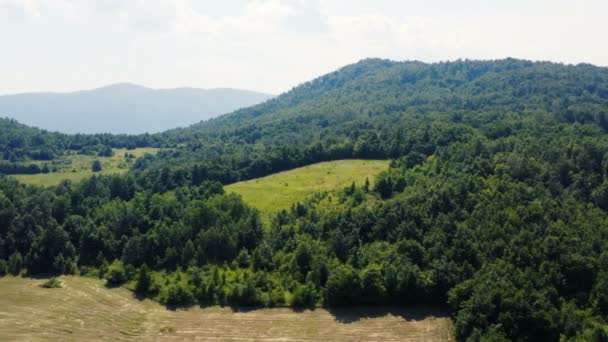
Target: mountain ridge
(124, 108)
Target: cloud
(18, 10)
(271, 45)
(152, 15)
(305, 17)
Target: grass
(76, 167)
(84, 309)
(279, 191)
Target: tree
(3, 267)
(96, 166)
(303, 296)
(178, 294)
(15, 263)
(144, 280)
(372, 284)
(189, 253)
(343, 286)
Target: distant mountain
(124, 108)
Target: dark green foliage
(12, 168)
(22, 143)
(245, 293)
(96, 166)
(15, 263)
(144, 280)
(116, 274)
(343, 286)
(178, 294)
(304, 295)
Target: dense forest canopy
(495, 203)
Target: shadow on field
(37, 276)
(411, 313)
(352, 314)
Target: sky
(274, 45)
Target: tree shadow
(351, 314)
(246, 309)
(109, 285)
(140, 296)
(177, 307)
(38, 276)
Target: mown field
(76, 167)
(279, 191)
(84, 309)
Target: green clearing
(76, 167)
(84, 309)
(281, 190)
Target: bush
(303, 296)
(178, 294)
(116, 274)
(52, 283)
(245, 294)
(3, 267)
(96, 167)
(343, 286)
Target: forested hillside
(495, 203)
(379, 109)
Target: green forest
(495, 203)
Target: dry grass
(83, 309)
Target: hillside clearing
(83, 309)
(77, 167)
(281, 190)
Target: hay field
(84, 309)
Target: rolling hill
(495, 202)
(124, 108)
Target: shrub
(343, 286)
(52, 283)
(116, 274)
(303, 296)
(178, 294)
(96, 167)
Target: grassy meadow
(75, 167)
(281, 190)
(84, 309)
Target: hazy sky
(273, 45)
